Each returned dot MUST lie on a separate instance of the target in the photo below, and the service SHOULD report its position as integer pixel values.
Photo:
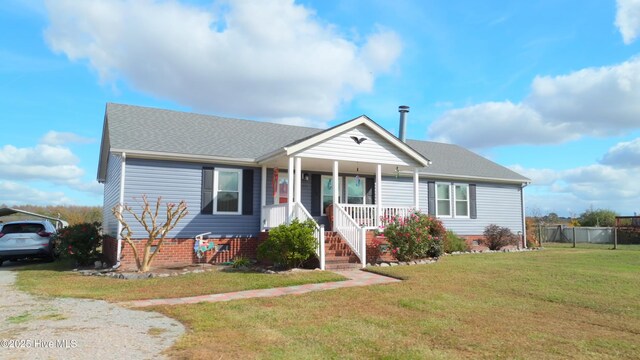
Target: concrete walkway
(356, 278)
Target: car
(27, 239)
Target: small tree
(157, 232)
(599, 217)
(289, 245)
(496, 237)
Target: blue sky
(550, 88)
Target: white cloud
(61, 138)
(624, 154)
(48, 162)
(13, 193)
(272, 59)
(600, 101)
(628, 19)
(606, 185)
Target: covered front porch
(343, 167)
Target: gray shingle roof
(454, 160)
(136, 128)
(157, 130)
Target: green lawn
(54, 280)
(556, 303)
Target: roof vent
(403, 109)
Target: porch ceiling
(326, 166)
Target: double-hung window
(227, 185)
(452, 200)
(461, 195)
(443, 200)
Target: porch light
(305, 177)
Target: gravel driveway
(60, 328)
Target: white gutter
(121, 204)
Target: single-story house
(239, 178)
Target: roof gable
(337, 141)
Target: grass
(54, 280)
(19, 319)
(557, 303)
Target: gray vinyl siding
(111, 195)
(495, 203)
(399, 192)
(176, 181)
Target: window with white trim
(355, 190)
(227, 196)
(461, 196)
(443, 200)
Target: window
(462, 200)
(227, 184)
(452, 200)
(355, 190)
(443, 200)
(327, 192)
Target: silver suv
(27, 239)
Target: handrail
(349, 229)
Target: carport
(58, 223)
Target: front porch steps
(338, 255)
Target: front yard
(55, 280)
(556, 303)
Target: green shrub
(80, 242)
(240, 262)
(415, 236)
(496, 237)
(453, 242)
(289, 245)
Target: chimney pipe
(403, 109)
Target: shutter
(316, 183)
(371, 191)
(431, 197)
(473, 210)
(247, 192)
(206, 198)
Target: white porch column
(290, 189)
(378, 194)
(298, 184)
(336, 194)
(416, 189)
(263, 195)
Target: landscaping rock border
(190, 269)
(433, 260)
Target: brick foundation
(373, 248)
(176, 252)
(109, 249)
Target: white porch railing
(352, 232)
(366, 215)
(400, 211)
(278, 214)
(275, 215)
